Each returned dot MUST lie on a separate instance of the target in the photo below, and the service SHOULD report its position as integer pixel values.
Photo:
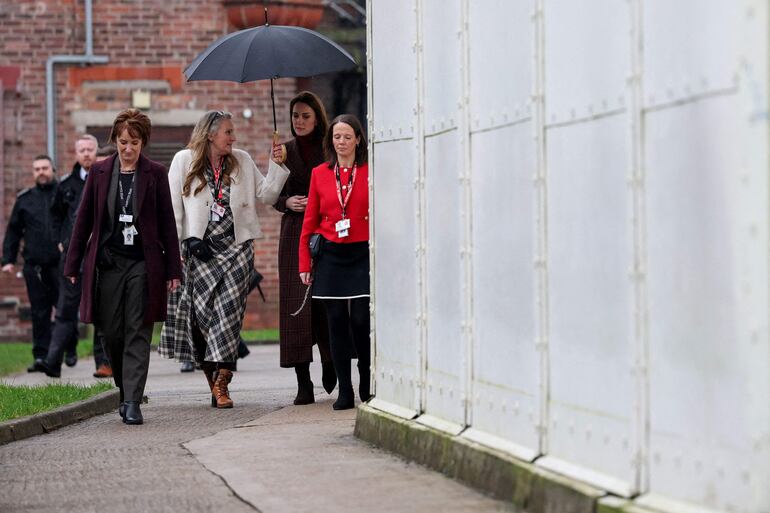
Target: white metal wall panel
(393, 40)
(441, 57)
(506, 388)
(500, 62)
(397, 359)
(587, 53)
(445, 371)
(445, 379)
(395, 205)
(704, 395)
(690, 47)
(590, 297)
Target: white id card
(218, 209)
(128, 235)
(342, 225)
(343, 233)
(125, 218)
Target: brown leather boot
(221, 394)
(209, 369)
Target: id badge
(128, 237)
(218, 209)
(342, 226)
(342, 234)
(126, 218)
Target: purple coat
(155, 222)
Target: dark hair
(314, 102)
(106, 150)
(43, 156)
(362, 152)
(135, 121)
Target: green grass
(17, 356)
(20, 401)
(266, 334)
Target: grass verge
(20, 401)
(17, 356)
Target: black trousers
(43, 289)
(122, 295)
(65, 331)
(349, 329)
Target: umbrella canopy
(269, 51)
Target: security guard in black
(31, 223)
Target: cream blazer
(192, 212)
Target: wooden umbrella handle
(283, 147)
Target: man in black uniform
(31, 222)
(64, 210)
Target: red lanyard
(217, 183)
(351, 183)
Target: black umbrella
(269, 51)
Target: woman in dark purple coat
(299, 332)
(125, 240)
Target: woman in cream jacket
(214, 189)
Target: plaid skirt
(213, 296)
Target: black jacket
(31, 221)
(65, 205)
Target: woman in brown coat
(299, 332)
(125, 239)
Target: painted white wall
(570, 236)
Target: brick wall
(148, 43)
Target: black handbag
(199, 249)
(316, 244)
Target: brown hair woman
(125, 235)
(299, 331)
(338, 209)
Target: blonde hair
(199, 145)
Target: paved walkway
(260, 456)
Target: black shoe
(122, 410)
(328, 376)
(345, 401)
(187, 367)
(36, 366)
(305, 393)
(133, 413)
(42, 366)
(71, 360)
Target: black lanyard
(124, 200)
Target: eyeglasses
(215, 115)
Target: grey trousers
(122, 294)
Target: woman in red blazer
(125, 239)
(338, 209)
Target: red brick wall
(143, 39)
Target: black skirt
(342, 271)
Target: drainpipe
(50, 93)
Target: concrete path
(260, 456)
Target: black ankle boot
(345, 400)
(305, 393)
(122, 410)
(133, 413)
(328, 376)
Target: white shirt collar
(83, 174)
